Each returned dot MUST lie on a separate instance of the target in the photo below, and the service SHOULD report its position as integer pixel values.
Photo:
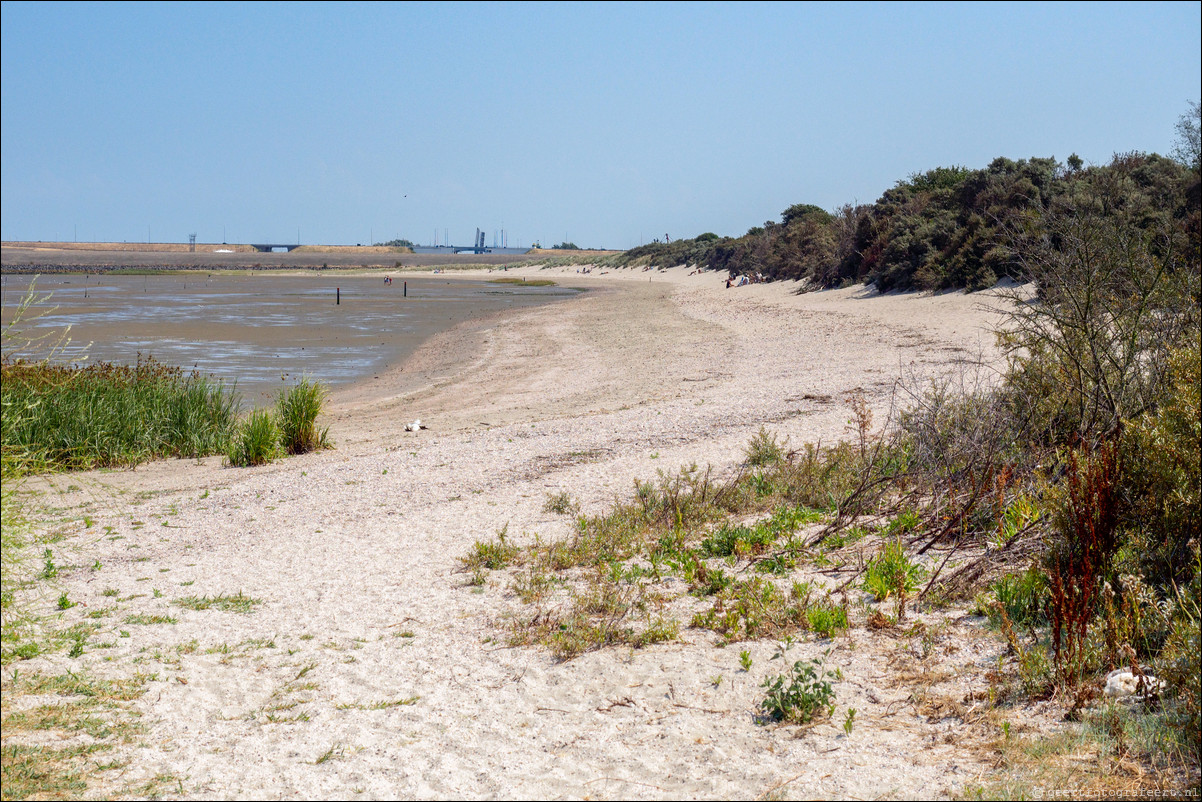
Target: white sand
(352, 550)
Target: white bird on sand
(413, 427)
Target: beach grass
(59, 417)
(523, 282)
(297, 409)
(256, 442)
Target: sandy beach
(373, 669)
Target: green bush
(826, 618)
(1161, 476)
(1022, 596)
(763, 449)
(801, 694)
(891, 573)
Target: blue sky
(607, 125)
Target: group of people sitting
(743, 281)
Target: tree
(804, 211)
(1188, 147)
(1117, 296)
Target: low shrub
(892, 573)
(1021, 596)
(801, 694)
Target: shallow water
(260, 330)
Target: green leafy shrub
(892, 573)
(802, 694)
(1162, 474)
(1022, 596)
(826, 618)
(764, 449)
(1180, 666)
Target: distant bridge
(268, 247)
(477, 247)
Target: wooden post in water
(337, 296)
(405, 289)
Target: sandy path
(354, 554)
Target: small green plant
(1023, 596)
(560, 503)
(801, 694)
(892, 573)
(297, 409)
(49, 569)
(257, 441)
(764, 449)
(142, 619)
(826, 618)
(238, 603)
(745, 660)
(849, 720)
(333, 753)
(64, 603)
(491, 556)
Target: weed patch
(237, 603)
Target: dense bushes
(947, 227)
(953, 226)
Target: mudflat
(261, 330)
(372, 666)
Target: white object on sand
(1121, 682)
(413, 427)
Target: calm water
(260, 330)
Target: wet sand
(258, 329)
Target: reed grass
(257, 441)
(297, 409)
(58, 417)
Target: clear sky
(607, 125)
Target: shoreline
(253, 331)
(354, 554)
